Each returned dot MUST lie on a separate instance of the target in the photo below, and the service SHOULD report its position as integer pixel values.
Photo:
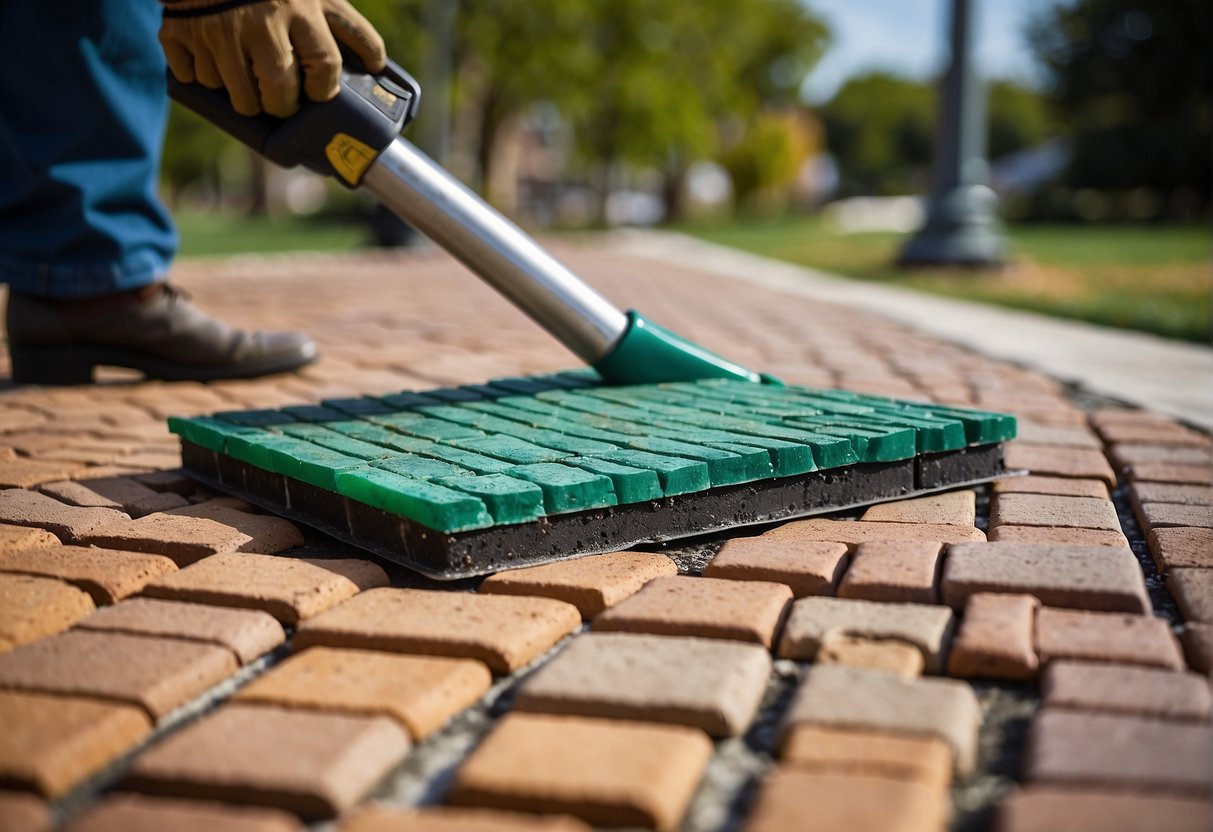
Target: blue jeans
(82, 115)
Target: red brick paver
(1181, 547)
(806, 567)
(1092, 578)
(996, 638)
(23, 812)
(1111, 637)
(107, 575)
(1120, 751)
(1061, 486)
(71, 524)
(1193, 593)
(894, 572)
(247, 633)
(1114, 688)
(314, 764)
(1101, 810)
(853, 532)
(157, 674)
(1198, 647)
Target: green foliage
(879, 128)
(1130, 79)
(765, 163)
(1018, 118)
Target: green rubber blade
(418, 467)
(631, 484)
(677, 475)
(509, 500)
(427, 503)
(510, 449)
(566, 488)
(207, 431)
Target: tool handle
(338, 138)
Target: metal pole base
(962, 229)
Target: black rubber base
(557, 537)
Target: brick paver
(157, 674)
(875, 653)
(894, 572)
(852, 532)
(607, 772)
(1193, 593)
(23, 812)
(844, 697)
(707, 607)
(1061, 486)
(453, 819)
(592, 584)
(15, 538)
(957, 508)
(1115, 688)
(1111, 637)
(1093, 578)
(71, 524)
(290, 589)
(1115, 750)
(711, 684)
(1198, 647)
(32, 608)
(124, 494)
(792, 799)
(419, 692)
(50, 743)
(107, 575)
(925, 759)
(1051, 461)
(1101, 810)
(106, 447)
(995, 640)
(504, 632)
(247, 633)
(137, 813)
(316, 765)
(807, 567)
(926, 627)
(1055, 534)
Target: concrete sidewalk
(1170, 376)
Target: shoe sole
(75, 365)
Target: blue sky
(909, 37)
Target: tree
(1019, 117)
(1130, 80)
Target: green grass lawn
(222, 233)
(1152, 278)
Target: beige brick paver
(807, 567)
(795, 799)
(711, 684)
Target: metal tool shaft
(441, 207)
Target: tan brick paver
(1101, 810)
(504, 632)
(107, 575)
(807, 567)
(32, 608)
(290, 589)
(793, 799)
(996, 637)
(847, 751)
(136, 813)
(894, 572)
(419, 692)
(452, 819)
(23, 812)
(706, 607)
(607, 772)
(592, 584)
(1115, 688)
(1112, 637)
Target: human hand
(257, 49)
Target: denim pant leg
(82, 116)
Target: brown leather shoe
(156, 331)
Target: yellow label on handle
(349, 157)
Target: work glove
(258, 48)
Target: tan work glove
(257, 48)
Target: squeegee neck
(438, 205)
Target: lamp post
(962, 226)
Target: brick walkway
(1034, 654)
